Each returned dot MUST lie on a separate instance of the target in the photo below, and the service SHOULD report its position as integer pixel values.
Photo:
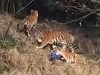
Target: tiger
(30, 21)
(67, 54)
(55, 37)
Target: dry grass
(24, 59)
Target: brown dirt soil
(24, 59)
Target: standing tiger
(55, 37)
(30, 21)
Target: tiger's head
(34, 12)
(38, 37)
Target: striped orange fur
(54, 36)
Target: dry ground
(19, 56)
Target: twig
(79, 18)
(6, 23)
(78, 8)
(23, 7)
(78, 4)
(82, 8)
(8, 28)
(7, 10)
(9, 23)
(14, 8)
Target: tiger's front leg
(43, 43)
(26, 30)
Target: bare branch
(23, 7)
(79, 18)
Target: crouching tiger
(55, 37)
(66, 53)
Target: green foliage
(3, 68)
(9, 42)
(2, 71)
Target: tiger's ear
(32, 10)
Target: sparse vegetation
(9, 42)
(1, 71)
(90, 56)
(20, 46)
(18, 55)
